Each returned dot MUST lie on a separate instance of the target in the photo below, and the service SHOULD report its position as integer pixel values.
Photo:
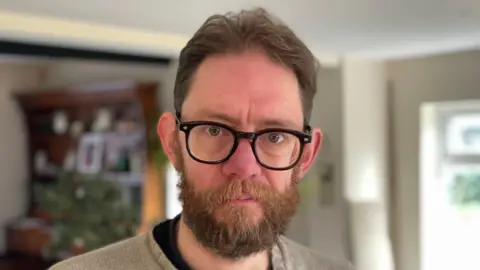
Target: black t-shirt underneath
(165, 234)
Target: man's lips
(243, 199)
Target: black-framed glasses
(274, 148)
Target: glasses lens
(277, 149)
(210, 143)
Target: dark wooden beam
(56, 52)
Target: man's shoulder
(127, 254)
(308, 258)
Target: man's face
(238, 207)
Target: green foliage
(88, 213)
(156, 151)
(159, 156)
(466, 189)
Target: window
(450, 185)
(463, 134)
(461, 161)
(464, 189)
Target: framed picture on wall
(90, 153)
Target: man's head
(240, 137)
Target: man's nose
(242, 164)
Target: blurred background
(397, 182)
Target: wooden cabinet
(133, 108)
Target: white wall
(13, 144)
(366, 161)
(78, 71)
(65, 72)
(323, 227)
(439, 78)
(328, 222)
(364, 101)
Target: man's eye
(213, 131)
(275, 137)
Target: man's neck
(199, 257)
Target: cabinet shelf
(134, 110)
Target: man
(241, 141)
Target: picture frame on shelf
(90, 153)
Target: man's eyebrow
(266, 122)
(283, 123)
(217, 115)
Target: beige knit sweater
(143, 253)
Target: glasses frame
(304, 138)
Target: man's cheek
(279, 180)
(202, 176)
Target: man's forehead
(236, 85)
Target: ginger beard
(236, 231)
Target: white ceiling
(373, 28)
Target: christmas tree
(88, 213)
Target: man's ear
(166, 130)
(310, 152)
